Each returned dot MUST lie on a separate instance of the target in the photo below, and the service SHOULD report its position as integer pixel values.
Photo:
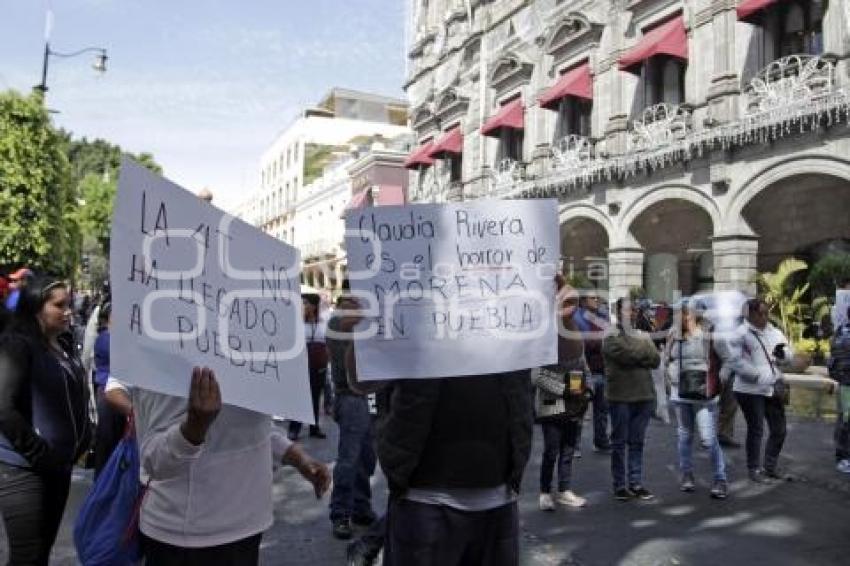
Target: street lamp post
(99, 64)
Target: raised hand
(204, 405)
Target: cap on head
(21, 273)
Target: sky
(203, 85)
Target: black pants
(317, 385)
(436, 535)
(245, 552)
(757, 409)
(559, 445)
(32, 507)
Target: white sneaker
(546, 503)
(570, 499)
(843, 466)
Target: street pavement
(802, 522)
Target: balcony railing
(660, 126)
(791, 95)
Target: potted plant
(787, 311)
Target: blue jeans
(628, 427)
(559, 446)
(355, 463)
(600, 412)
(691, 416)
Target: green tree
(38, 225)
(97, 199)
(829, 273)
(786, 301)
(95, 166)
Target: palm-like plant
(785, 302)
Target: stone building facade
(690, 144)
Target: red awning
(510, 115)
(667, 39)
(357, 201)
(751, 9)
(451, 142)
(390, 195)
(575, 82)
(419, 156)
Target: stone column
(735, 263)
(625, 271)
(720, 34)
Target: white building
(372, 175)
(318, 137)
(691, 143)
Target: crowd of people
(453, 450)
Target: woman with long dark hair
(44, 423)
(689, 348)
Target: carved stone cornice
(422, 118)
(450, 106)
(573, 34)
(510, 71)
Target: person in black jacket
(454, 451)
(44, 423)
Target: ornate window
(664, 81)
(510, 144)
(801, 27)
(573, 118)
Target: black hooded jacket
(461, 432)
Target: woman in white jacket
(758, 352)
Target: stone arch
(660, 194)
(733, 219)
(589, 212)
(673, 225)
(797, 209)
(585, 237)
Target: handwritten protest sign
(192, 286)
(456, 289)
(842, 303)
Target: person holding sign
(208, 468)
(630, 356)
(44, 422)
(454, 451)
(317, 361)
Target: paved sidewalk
(804, 522)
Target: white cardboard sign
(193, 286)
(454, 289)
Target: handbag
(699, 385)
(106, 532)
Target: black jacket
(43, 412)
(462, 432)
